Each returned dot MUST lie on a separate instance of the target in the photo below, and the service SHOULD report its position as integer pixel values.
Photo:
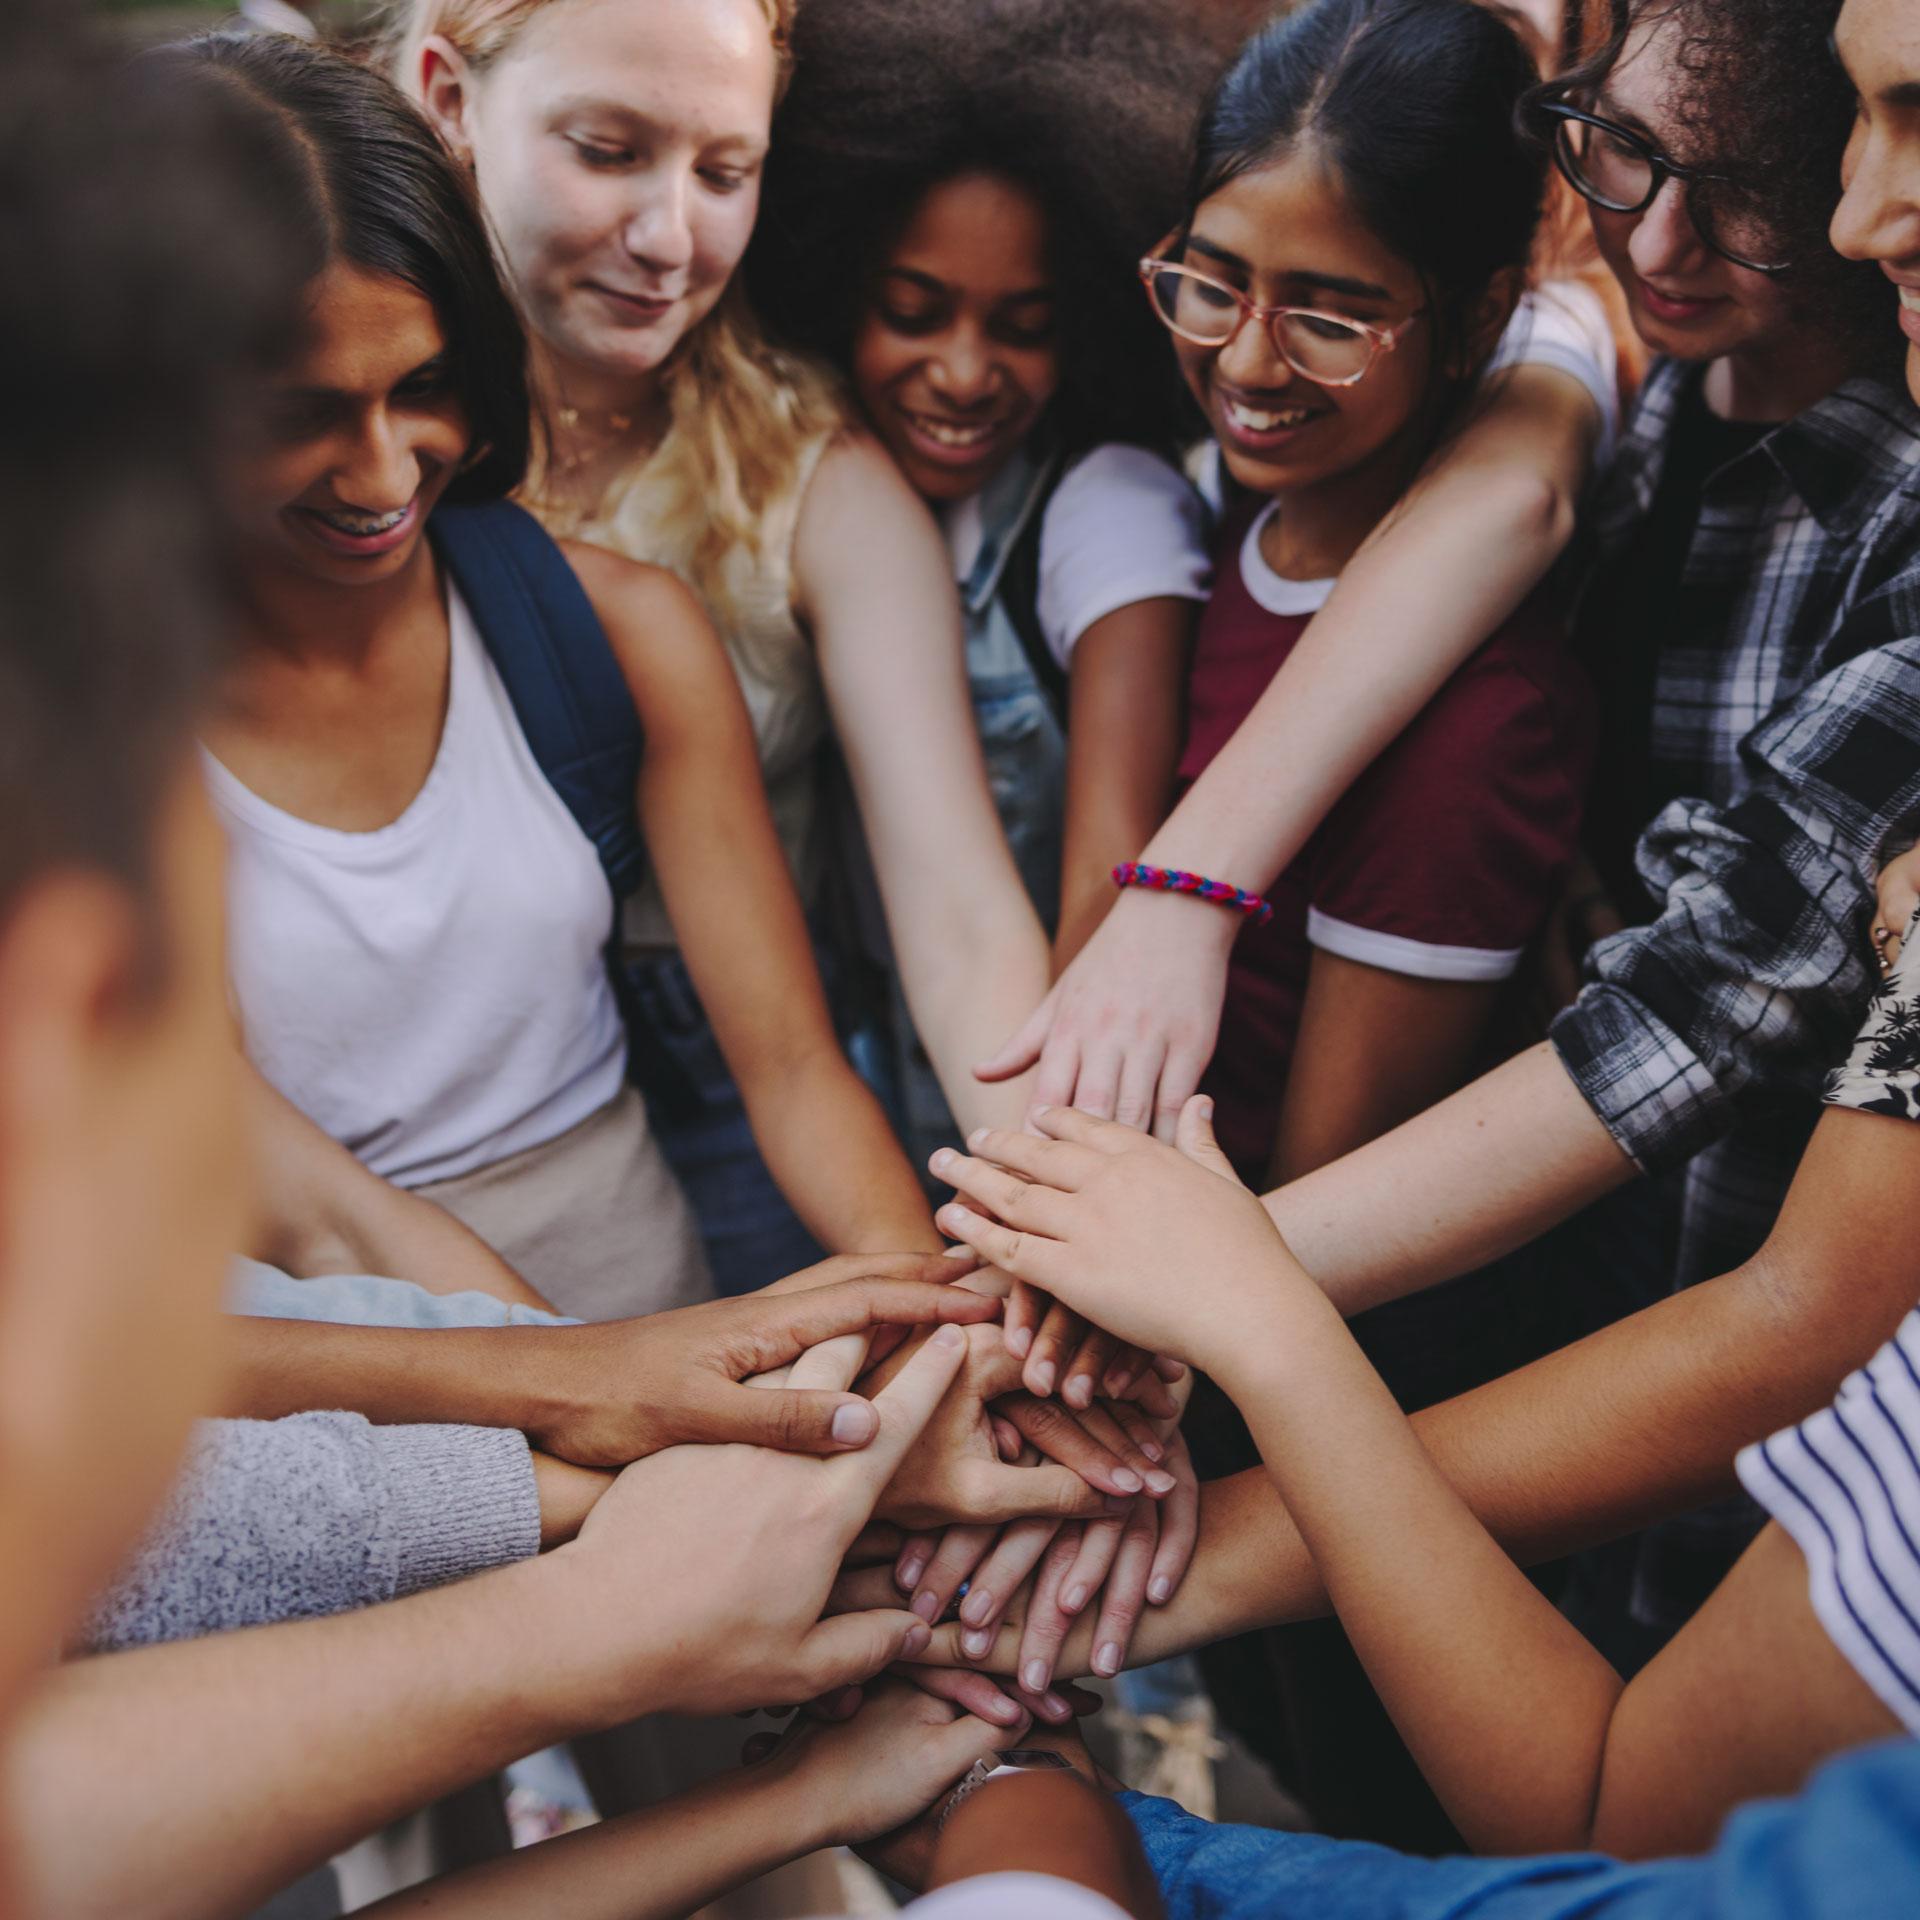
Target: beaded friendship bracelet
(1131, 873)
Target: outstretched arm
(1471, 540)
(323, 1212)
(711, 840)
(877, 592)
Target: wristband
(1131, 873)
(1014, 1760)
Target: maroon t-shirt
(1441, 860)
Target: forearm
(1485, 1171)
(1505, 1707)
(667, 1860)
(1047, 1823)
(831, 1152)
(166, 1782)
(1468, 545)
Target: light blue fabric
(365, 1300)
(1848, 1848)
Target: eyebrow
(932, 283)
(1305, 276)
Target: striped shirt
(1846, 1485)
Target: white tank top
(432, 993)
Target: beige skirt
(594, 1221)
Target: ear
(1489, 319)
(442, 82)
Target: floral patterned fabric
(1882, 1073)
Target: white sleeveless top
(432, 993)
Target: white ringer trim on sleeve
(1395, 953)
(1845, 1483)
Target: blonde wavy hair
(743, 413)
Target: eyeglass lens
(1318, 345)
(1619, 173)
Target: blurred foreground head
(142, 289)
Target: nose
(1878, 217)
(1250, 360)
(1664, 238)
(961, 368)
(378, 469)
(659, 230)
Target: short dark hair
(143, 282)
(1084, 104)
(1761, 95)
(1412, 103)
(370, 182)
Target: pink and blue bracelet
(1133, 873)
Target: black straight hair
(373, 185)
(1411, 105)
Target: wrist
(1274, 1335)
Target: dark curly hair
(1761, 96)
(1086, 104)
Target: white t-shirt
(1014, 1896)
(432, 994)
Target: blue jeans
(1847, 1848)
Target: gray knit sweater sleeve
(319, 1513)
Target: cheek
(549, 214)
(1037, 374)
(1196, 367)
(880, 358)
(722, 228)
(279, 478)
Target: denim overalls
(1026, 754)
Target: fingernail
(926, 1603)
(1162, 1482)
(977, 1138)
(1074, 1599)
(1078, 1392)
(1107, 1661)
(958, 1253)
(976, 1643)
(1035, 1676)
(1043, 1378)
(1113, 1384)
(1126, 1477)
(976, 1607)
(907, 1576)
(1054, 1707)
(942, 1160)
(1020, 1342)
(853, 1422)
(1153, 1449)
(1160, 1590)
(948, 1336)
(919, 1639)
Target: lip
(355, 546)
(1908, 281)
(1259, 443)
(1676, 310)
(638, 306)
(955, 459)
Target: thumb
(1045, 1491)
(791, 1419)
(1019, 1053)
(852, 1647)
(1194, 1137)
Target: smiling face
(1286, 235)
(954, 358)
(1879, 218)
(1685, 299)
(618, 147)
(367, 431)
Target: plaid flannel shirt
(1704, 1036)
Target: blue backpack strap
(568, 692)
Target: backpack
(574, 706)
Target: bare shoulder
(860, 523)
(856, 478)
(631, 597)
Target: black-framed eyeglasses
(1623, 171)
